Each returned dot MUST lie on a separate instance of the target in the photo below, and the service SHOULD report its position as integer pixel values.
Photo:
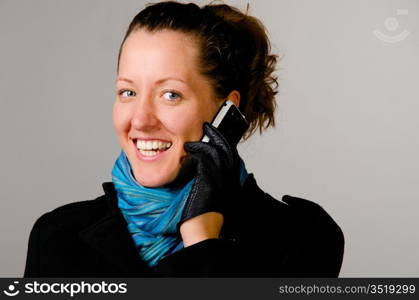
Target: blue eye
(123, 91)
(171, 93)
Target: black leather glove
(216, 168)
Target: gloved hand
(217, 175)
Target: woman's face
(162, 102)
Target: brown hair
(235, 52)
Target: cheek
(186, 125)
(192, 123)
(120, 118)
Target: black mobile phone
(230, 122)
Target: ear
(234, 97)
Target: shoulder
(311, 242)
(73, 216)
(54, 238)
(297, 216)
(305, 217)
(307, 210)
(314, 217)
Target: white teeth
(148, 153)
(152, 145)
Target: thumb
(192, 147)
(188, 166)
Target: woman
(177, 206)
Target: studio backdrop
(346, 136)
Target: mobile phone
(230, 122)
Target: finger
(206, 149)
(216, 137)
(219, 140)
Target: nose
(144, 117)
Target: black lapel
(233, 223)
(110, 237)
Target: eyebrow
(160, 81)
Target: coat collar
(110, 236)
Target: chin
(154, 180)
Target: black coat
(264, 237)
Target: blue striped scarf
(152, 214)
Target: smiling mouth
(151, 147)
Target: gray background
(346, 136)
